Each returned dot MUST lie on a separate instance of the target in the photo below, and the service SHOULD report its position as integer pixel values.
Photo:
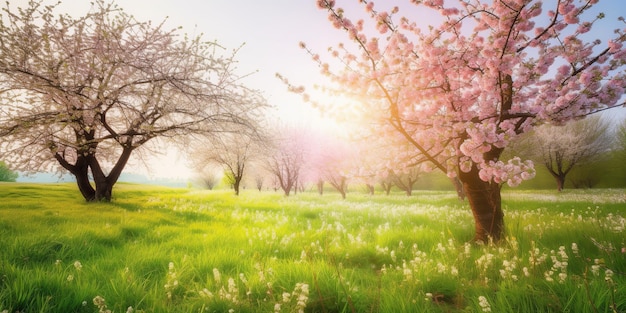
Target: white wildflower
(286, 297)
(217, 276)
(608, 276)
(484, 304)
(205, 293)
(454, 271)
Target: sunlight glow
(171, 165)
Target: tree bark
(104, 188)
(458, 186)
(236, 185)
(387, 187)
(320, 187)
(104, 183)
(341, 184)
(560, 183)
(560, 179)
(80, 170)
(81, 173)
(486, 204)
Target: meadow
(157, 249)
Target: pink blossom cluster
(459, 92)
(513, 172)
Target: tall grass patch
(157, 249)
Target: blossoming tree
(287, 157)
(234, 152)
(459, 92)
(334, 162)
(563, 148)
(85, 93)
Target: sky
(270, 32)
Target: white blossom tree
(84, 93)
(233, 152)
(286, 157)
(561, 148)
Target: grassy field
(179, 250)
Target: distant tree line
(584, 153)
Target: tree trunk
(387, 187)
(458, 186)
(81, 173)
(104, 183)
(370, 189)
(236, 185)
(320, 187)
(560, 182)
(485, 202)
(80, 170)
(341, 184)
(85, 187)
(343, 193)
(104, 190)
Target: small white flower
(454, 271)
(608, 275)
(484, 304)
(595, 269)
(286, 297)
(217, 276)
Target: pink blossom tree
(83, 93)
(368, 165)
(460, 91)
(335, 162)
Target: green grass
(181, 250)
